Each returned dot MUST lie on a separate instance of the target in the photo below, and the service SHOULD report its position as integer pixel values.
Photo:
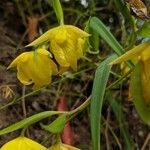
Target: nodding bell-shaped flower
(62, 146)
(34, 67)
(23, 143)
(141, 54)
(67, 44)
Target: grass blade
(102, 30)
(98, 91)
(97, 25)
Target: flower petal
(35, 67)
(22, 143)
(23, 75)
(69, 50)
(62, 147)
(61, 35)
(145, 79)
(59, 54)
(21, 58)
(76, 31)
(43, 51)
(146, 53)
(80, 46)
(44, 37)
(40, 70)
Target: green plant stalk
(58, 139)
(38, 117)
(81, 107)
(58, 11)
(98, 91)
(16, 100)
(119, 80)
(57, 126)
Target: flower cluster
(67, 44)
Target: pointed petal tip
(8, 67)
(87, 34)
(29, 45)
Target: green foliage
(94, 41)
(98, 91)
(100, 81)
(144, 31)
(57, 125)
(97, 25)
(58, 10)
(28, 121)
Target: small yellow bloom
(66, 43)
(141, 53)
(62, 147)
(34, 67)
(23, 143)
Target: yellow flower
(34, 67)
(23, 143)
(62, 147)
(141, 53)
(66, 43)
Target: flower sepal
(61, 146)
(142, 107)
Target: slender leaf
(102, 30)
(58, 10)
(98, 91)
(28, 121)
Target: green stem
(81, 107)
(119, 80)
(58, 139)
(23, 132)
